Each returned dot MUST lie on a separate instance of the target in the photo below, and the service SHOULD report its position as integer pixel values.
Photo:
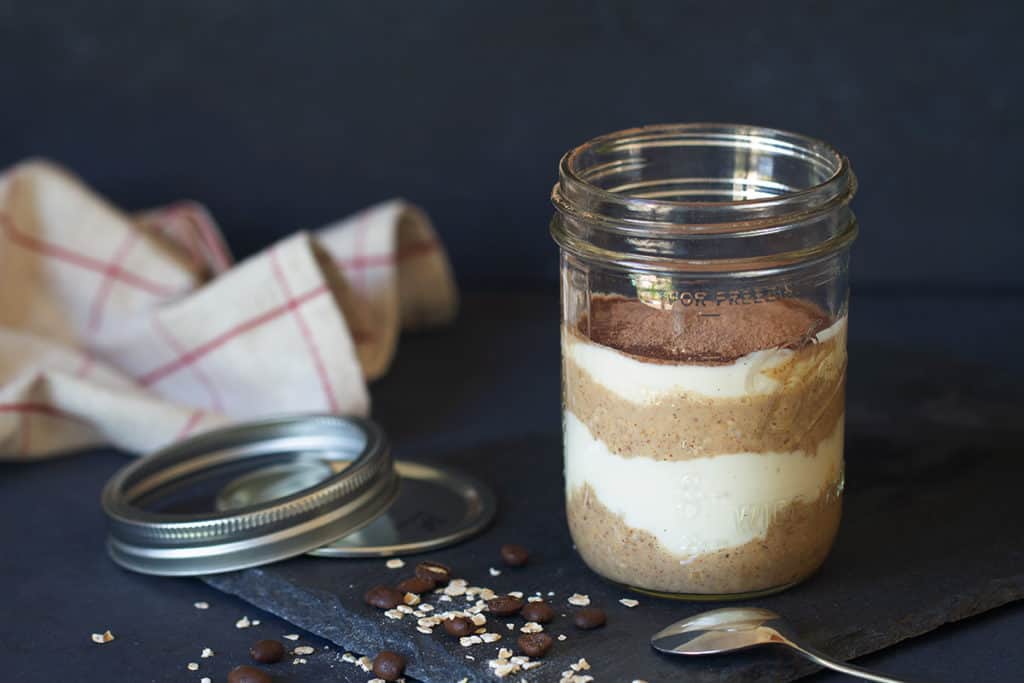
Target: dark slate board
(931, 534)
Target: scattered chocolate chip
(384, 597)
(535, 644)
(540, 612)
(417, 584)
(589, 617)
(504, 605)
(267, 651)
(459, 627)
(389, 666)
(433, 571)
(248, 674)
(514, 555)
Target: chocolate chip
(248, 674)
(535, 644)
(388, 665)
(540, 612)
(514, 555)
(434, 571)
(417, 584)
(459, 626)
(589, 617)
(383, 597)
(267, 651)
(504, 605)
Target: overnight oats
(704, 296)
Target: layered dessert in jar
(704, 443)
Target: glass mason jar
(704, 297)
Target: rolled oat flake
(259, 492)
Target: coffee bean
(504, 605)
(514, 555)
(535, 644)
(248, 674)
(389, 666)
(540, 612)
(459, 626)
(434, 571)
(383, 597)
(267, 651)
(417, 584)
(589, 617)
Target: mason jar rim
(576, 191)
(797, 182)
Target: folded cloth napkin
(138, 330)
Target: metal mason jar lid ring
(181, 544)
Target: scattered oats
(478, 619)
(582, 665)
(455, 587)
(376, 680)
(394, 563)
(551, 594)
(405, 609)
(471, 658)
(516, 594)
(463, 680)
(467, 641)
(365, 663)
(579, 600)
(520, 660)
(394, 614)
(428, 622)
(291, 636)
(206, 653)
(639, 680)
(504, 653)
(535, 598)
(201, 605)
(531, 627)
(502, 669)
(561, 637)
(477, 608)
(192, 666)
(445, 598)
(530, 665)
(629, 602)
(348, 657)
(494, 572)
(487, 594)
(418, 613)
(303, 650)
(205, 679)
(424, 630)
(299, 660)
(426, 608)
(101, 638)
(480, 630)
(490, 637)
(243, 623)
(510, 626)
(255, 622)
(411, 599)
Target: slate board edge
(258, 588)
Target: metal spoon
(737, 628)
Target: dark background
(281, 115)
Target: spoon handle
(849, 669)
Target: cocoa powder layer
(797, 416)
(797, 542)
(709, 334)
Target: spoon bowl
(737, 628)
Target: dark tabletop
(492, 376)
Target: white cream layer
(640, 382)
(699, 505)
